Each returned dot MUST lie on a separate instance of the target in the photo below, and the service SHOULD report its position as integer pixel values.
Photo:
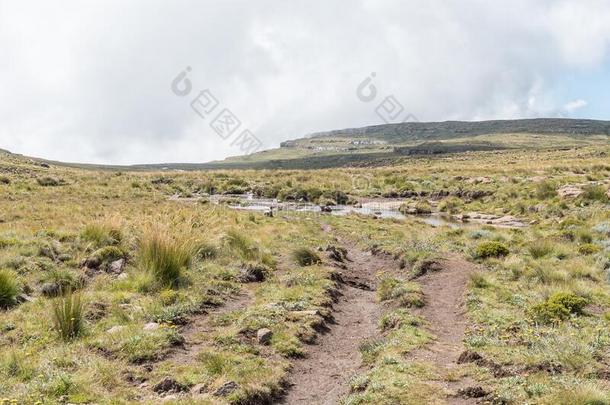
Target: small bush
(588, 249)
(305, 256)
(491, 249)
(166, 259)
(594, 193)
(68, 316)
(479, 280)
(603, 228)
(545, 190)
(558, 307)
(9, 289)
(48, 181)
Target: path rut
(444, 291)
(323, 376)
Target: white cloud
(90, 81)
(574, 105)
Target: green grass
(164, 258)
(68, 311)
(9, 289)
(305, 257)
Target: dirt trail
(444, 292)
(323, 376)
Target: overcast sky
(90, 81)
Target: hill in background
(392, 143)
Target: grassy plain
(75, 328)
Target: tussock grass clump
(206, 251)
(165, 258)
(68, 315)
(540, 248)
(305, 256)
(491, 249)
(9, 289)
(239, 243)
(102, 234)
(545, 190)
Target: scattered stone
(64, 257)
(200, 388)
(326, 208)
(569, 191)
(24, 298)
(337, 254)
(479, 180)
(122, 276)
(46, 251)
(269, 214)
(169, 385)
(263, 336)
(226, 389)
(96, 311)
(116, 267)
(252, 273)
(151, 326)
(472, 392)
(50, 289)
(115, 329)
(469, 356)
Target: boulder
(263, 336)
(116, 266)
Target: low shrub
(559, 307)
(545, 190)
(9, 289)
(491, 249)
(48, 181)
(305, 256)
(594, 193)
(588, 249)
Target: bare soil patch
(323, 376)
